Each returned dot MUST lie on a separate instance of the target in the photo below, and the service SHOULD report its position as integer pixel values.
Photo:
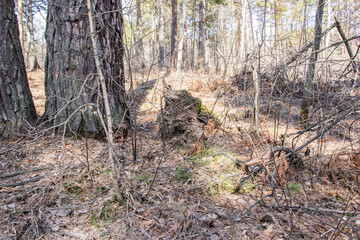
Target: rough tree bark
(308, 86)
(16, 104)
(70, 84)
(109, 130)
(174, 6)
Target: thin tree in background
(139, 34)
(174, 6)
(308, 85)
(160, 39)
(20, 21)
(244, 8)
(182, 38)
(327, 37)
(16, 103)
(276, 19)
(32, 62)
(202, 60)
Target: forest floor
(60, 188)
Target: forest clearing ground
(192, 195)
(36, 82)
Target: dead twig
(26, 171)
(267, 156)
(23, 182)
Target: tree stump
(185, 118)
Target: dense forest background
(176, 119)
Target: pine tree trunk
(16, 104)
(108, 125)
(72, 93)
(308, 86)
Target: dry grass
(192, 195)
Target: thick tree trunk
(72, 93)
(308, 86)
(174, 6)
(16, 104)
(108, 126)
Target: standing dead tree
(308, 85)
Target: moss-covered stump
(184, 117)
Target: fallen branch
(23, 183)
(26, 171)
(325, 210)
(269, 153)
(8, 149)
(304, 49)
(348, 47)
(351, 109)
(346, 42)
(37, 178)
